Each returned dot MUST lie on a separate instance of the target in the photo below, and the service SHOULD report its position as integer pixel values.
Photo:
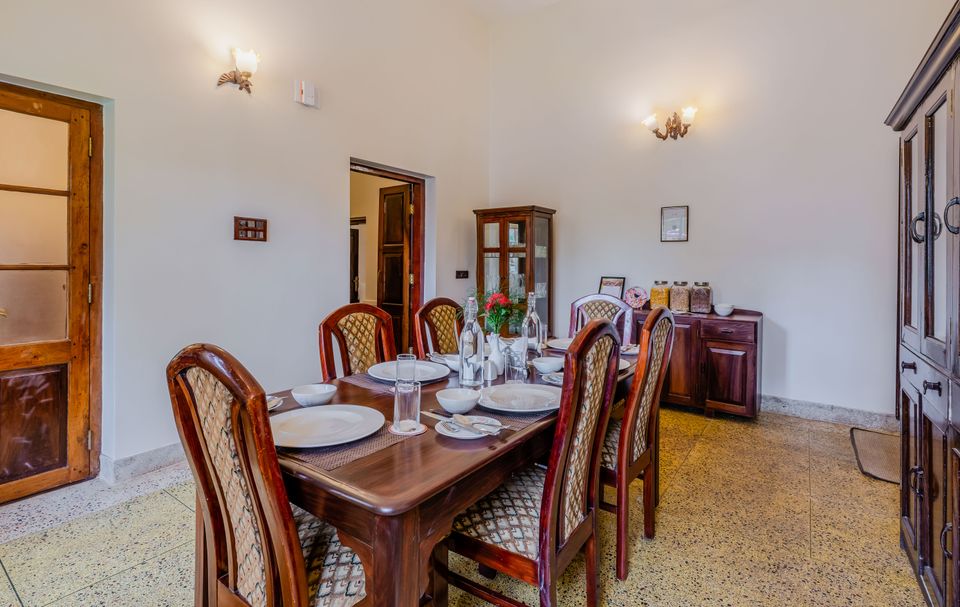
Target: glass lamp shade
(651, 122)
(246, 61)
(689, 113)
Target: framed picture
(674, 223)
(612, 285)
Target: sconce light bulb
(651, 122)
(689, 113)
(246, 61)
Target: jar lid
(702, 284)
(660, 282)
(680, 283)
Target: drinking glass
(406, 367)
(515, 369)
(406, 406)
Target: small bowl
(548, 364)
(723, 309)
(458, 400)
(313, 394)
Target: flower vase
(496, 353)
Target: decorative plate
(636, 297)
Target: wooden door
(354, 265)
(911, 488)
(935, 515)
(46, 286)
(394, 260)
(683, 374)
(729, 379)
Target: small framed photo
(612, 285)
(674, 224)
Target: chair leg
(623, 527)
(592, 566)
(649, 501)
(548, 593)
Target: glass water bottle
(471, 347)
(533, 330)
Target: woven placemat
(364, 380)
(331, 458)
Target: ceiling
(497, 9)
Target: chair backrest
(600, 306)
(364, 336)
(437, 325)
(221, 415)
(571, 487)
(643, 401)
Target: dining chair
(436, 327)
(255, 549)
(364, 336)
(631, 449)
(604, 307)
(534, 524)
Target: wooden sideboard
(715, 363)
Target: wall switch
(305, 93)
(463, 274)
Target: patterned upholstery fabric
(658, 345)
(360, 338)
(599, 308)
(335, 575)
(611, 445)
(577, 474)
(508, 518)
(213, 408)
(443, 321)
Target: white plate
(464, 434)
(557, 378)
(324, 425)
(426, 371)
(560, 344)
(623, 365)
(520, 398)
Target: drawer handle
(911, 366)
(932, 385)
(726, 330)
(943, 540)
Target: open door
(394, 259)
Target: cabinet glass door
(913, 246)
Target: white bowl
(723, 309)
(313, 394)
(458, 400)
(548, 364)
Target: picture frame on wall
(674, 223)
(612, 285)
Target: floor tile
(90, 549)
(185, 493)
(8, 598)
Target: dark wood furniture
(364, 336)
(437, 327)
(607, 307)
(928, 296)
(716, 362)
(515, 255)
(249, 538)
(631, 446)
(559, 504)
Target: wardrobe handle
(932, 385)
(946, 223)
(918, 238)
(943, 543)
(911, 366)
(913, 480)
(937, 226)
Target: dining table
(395, 502)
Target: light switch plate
(463, 274)
(305, 93)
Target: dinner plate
(324, 426)
(557, 378)
(561, 343)
(447, 428)
(427, 371)
(520, 398)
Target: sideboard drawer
(728, 330)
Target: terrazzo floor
(772, 512)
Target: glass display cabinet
(515, 255)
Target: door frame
(417, 231)
(95, 337)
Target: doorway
(50, 259)
(386, 222)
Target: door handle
(918, 238)
(946, 223)
(937, 226)
(913, 480)
(932, 385)
(943, 544)
(912, 366)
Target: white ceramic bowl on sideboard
(723, 309)
(458, 400)
(313, 394)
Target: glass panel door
(913, 249)
(938, 173)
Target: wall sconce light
(676, 126)
(246, 63)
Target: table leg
(397, 571)
(438, 575)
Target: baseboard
(828, 413)
(115, 471)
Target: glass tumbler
(406, 407)
(406, 367)
(515, 368)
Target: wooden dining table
(395, 506)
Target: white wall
(184, 157)
(789, 172)
(365, 202)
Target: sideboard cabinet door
(683, 374)
(936, 560)
(911, 492)
(730, 382)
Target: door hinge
(90, 147)
(411, 278)
(89, 440)
(411, 208)
(89, 292)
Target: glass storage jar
(701, 298)
(660, 294)
(680, 297)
